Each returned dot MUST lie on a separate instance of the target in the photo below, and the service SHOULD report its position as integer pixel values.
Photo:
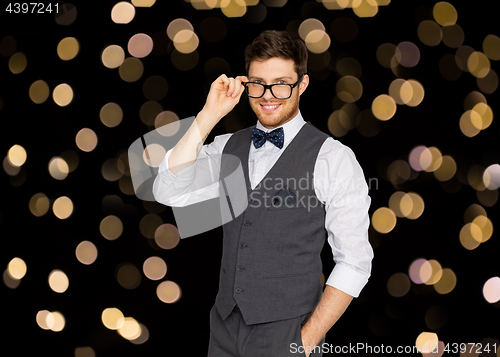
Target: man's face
(270, 111)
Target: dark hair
(280, 44)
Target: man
(302, 186)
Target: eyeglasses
(279, 91)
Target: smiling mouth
(270, 107)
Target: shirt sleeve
(341, 186)
(195, 183)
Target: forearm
(186, 151)
(331, 306)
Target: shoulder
(337, 158)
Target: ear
(303, 85)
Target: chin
(285, 112)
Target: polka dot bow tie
(259, 137)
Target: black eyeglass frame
(270, 87)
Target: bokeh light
(462, 56)
(154, 154)
(154, 268)
(466, 124)
(56, 320)
(86, 252)
(39, 204)
(491, 47)
(167, 123)
(430, 33)
(453, 36)
(68, 48)
(17, 155)
(384, 107)
(491, 177)
(178, 25)
(39, 91)
(445, 13)
(143, 3)
(131, 69)
(420, 271)
(111, 115)
(122, 13)
(113, 56)
(365, 8)
(436, 272)
(111, 227)
(491, 290)
(349, 89)
(466, 236)
(168, 292)
(478, 64)
(385, 52)
(128, 276)
(167, 236)
(140, 45)
(233, 8)
(383, 220)
(398, 285)
(112, 169)
(17, 63)
(143, 337)
(58, 168)
(447, 168)
(86, 140)
(447, 282)
(489, 83)
(130, 330)
(427, 342)
(112, 318)
(85, 351)
(418, 206)
(483, 229)
(17, 268)
(317, 41)
(63, 207)
(62, 95)
(481, 116)
(407, 54)
(58, 281)
(44, 319)
(149, 224)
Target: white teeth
(270, 106)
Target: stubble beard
(283, 116)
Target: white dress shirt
(339, 184)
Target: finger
(243, 79)
(222, 80)
(238, 88)
(230, 91)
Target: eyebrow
(275, 79)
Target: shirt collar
(290, 128)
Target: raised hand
(224, 94)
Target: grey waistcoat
(271, 265)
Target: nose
(267, 94)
